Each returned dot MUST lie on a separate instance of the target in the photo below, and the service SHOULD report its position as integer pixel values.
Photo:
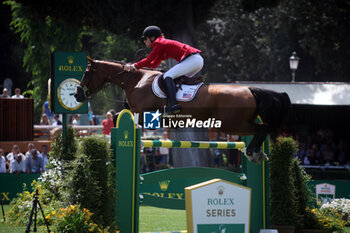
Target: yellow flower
(53, 212)
(72, 207)
(48, 216)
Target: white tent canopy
(309, 93)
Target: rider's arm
(152, 60)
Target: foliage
(283, 199)
(64, 150)
(74, 219)
(319, 218)
(41, 37)
(66, 195)
(302, 190)
(341, 207)
(22, 205)
(90, 180)
(256, 45)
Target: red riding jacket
(164, 49)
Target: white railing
(43, 131)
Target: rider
(189, 58)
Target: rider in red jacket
(189, 58)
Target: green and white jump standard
(166, 188)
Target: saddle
(179, 82)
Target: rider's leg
(170, 85)
(189, 67)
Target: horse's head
(91, 82)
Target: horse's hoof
(257, 157)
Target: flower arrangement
(339, 207)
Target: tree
(256, 44)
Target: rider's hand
(129, 67)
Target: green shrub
(302, 191)
(283, 199)
(64, 151)
(90, 180)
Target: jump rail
(192, 144)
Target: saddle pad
(185, 94)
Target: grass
(151, 220)
(158, 219)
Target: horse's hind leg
(254, 153)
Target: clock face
(65, 94)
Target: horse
(236, 106)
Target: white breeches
(189, 67)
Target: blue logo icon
(151, 120)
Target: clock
(65, 94)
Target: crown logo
(70, 59)
(164, 184)
(126, 134)
(221, 190)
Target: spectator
(2, 161)
(57, 120)
(302, 152)
(17, 164)
(311, 158)
(45, 120)
(107, 124)
(34, 163)
(328, 154)
(30, 147)
(216, 158)
(47, 111)
(17, 94)
(45, 156)
(15, 151)
(4, 93)
(75, 120)
(164, 151)
(342, 152)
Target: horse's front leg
(254, 153)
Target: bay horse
(236, 106)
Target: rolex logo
(164, 184)
(126, 134)
(70, 59)
(221, 190)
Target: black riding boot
(173, 106)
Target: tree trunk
(188, 157)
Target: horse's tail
(273, 108)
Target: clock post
(67, 70)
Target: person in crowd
(328, 154)
(2, 161)
(216, 158)
(30, 147)
(17, 94)
(75, 120)
(45, 156)
(302, 152)
(45, 120)
(34, 163)
(56, 120)
(311, 158)
(11, 156)
(5, 93)
(47, 111)
(164, 151)
(107, 124)
(342, 152)
(18, 164)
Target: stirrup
(173, 109)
